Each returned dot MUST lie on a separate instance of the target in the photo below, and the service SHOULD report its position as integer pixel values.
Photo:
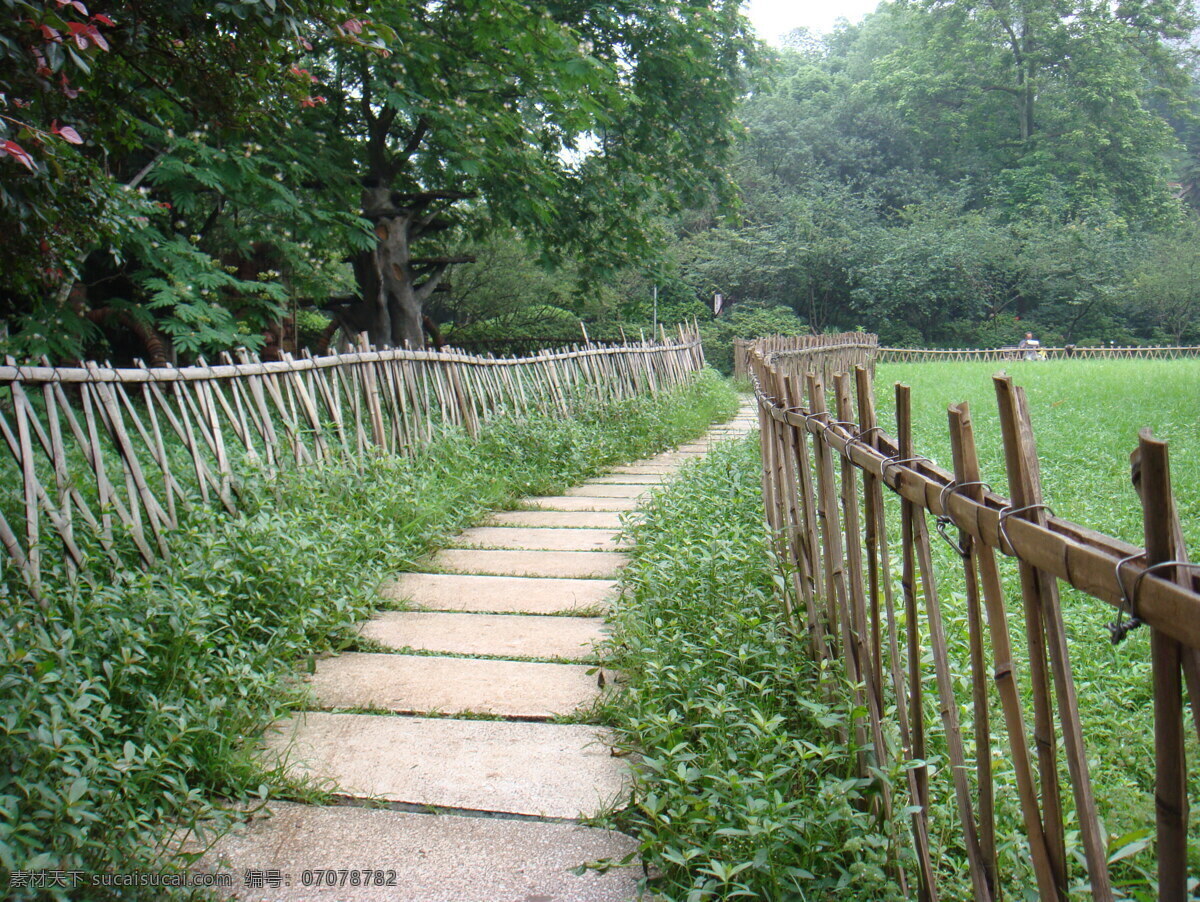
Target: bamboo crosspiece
(834, 534)
(105, 457)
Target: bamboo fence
(829, 353)
(103, 458)
(826, 464)
(1069, 352)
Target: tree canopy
(175, 176)
(188, 168)
(956, 172)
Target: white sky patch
(772, 19)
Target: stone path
(447, 746)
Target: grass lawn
(1086, 416)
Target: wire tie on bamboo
(1121, 628)
(944, 521)
(1008, 511)
(899, 462)
(861, 437)
(825, 427)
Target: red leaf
(67, 133)
(97, 37)
(13, 149)
(353, 26)
(104, 20)
(81, 41)
(50, 35)
(305, 44)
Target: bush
(746, 320)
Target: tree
(235, 154)
(1167, 287)
(1045, 107)
(572, 122)
(156, 216)
(936, 270)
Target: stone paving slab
(605, 490)
(561, 503)
(542, 519)
(500, 635)
(657, 470)
(551, 770)
(504, 562)
(424, 684)
(425, 857)
(630, 479)
(532, 539)
(500, 594)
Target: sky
(774, 18)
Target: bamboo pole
(908, 578)
(1166, 654)
(1042, 591)
(809, 565)
(873, 530)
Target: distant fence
(830, 353)
(101, 457)
(524, 346)
(825, 468)
(1068, 352)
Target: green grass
(1086, 416)
(132, 704)
(742, 790)
(745, 790)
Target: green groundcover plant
(130, 707)
(742, 789)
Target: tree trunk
(390, 307)
(393, 285)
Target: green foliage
(1166, 289)
(746, 320)
(944, 167)
(504, 293)
(197, 165)
(741, 790)
(128, 708)
(189, 151)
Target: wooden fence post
(967, 475)
(1041, 593)
(1153, 479)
